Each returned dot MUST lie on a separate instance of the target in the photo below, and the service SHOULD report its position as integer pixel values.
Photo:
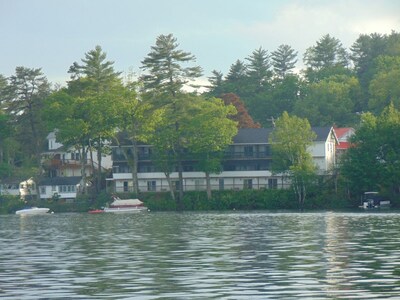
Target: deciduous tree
(384, 88)
(373, 163)
(330, 101)
(290, 141)
(242, 117)
(96, 82)
(164, 80)
(208, 132)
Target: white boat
(33, 211)
(374, 200)
(125, 206)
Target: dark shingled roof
(322, 133)
(260, 135)
(252, 136)
(60, 180)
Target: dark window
(272, 183)
(221, 184)
(248, 151)
(248, 184)
(151, 186)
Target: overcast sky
(52, 34)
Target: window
(272, 183)
(54, 188)
(221, 184)
(267, 150)
(151, 186)
(198, 184)
(248, 151)
(248, 184)
(42, 190)
(65, 189)
(125, 186)
(176, 185)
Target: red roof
(342, 131)
(341, 134)
(343, 146)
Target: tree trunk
(171, 188)
(83, 168)
(180, 175)
(134, 167)
(93, 167)
(208, 184)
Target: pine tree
(164, 68)
(284, 60)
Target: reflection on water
(201, 256)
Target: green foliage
(384, 87)
(374, 161)
(327, 52)
(164, 66)
(258, 68)
(223, 200)
(284, 60)
(10, 204)
(290, 142)
(22, 100)
(330, 101)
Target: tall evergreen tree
(284, 60)
(97, 72)
(365, 53)
(164, 68)
(164, 81)
(23, 102)
(258, 68)
(217, 82)
(327, 58)
(92, 88)
(328, 52)
(237, 72)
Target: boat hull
(33, 211)
(125, 209)
(96, 211)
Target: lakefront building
(246, 164)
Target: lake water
(238, 255)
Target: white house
(65, 188)
(61, 162)
(246, 165)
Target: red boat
(95, 211)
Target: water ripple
(239, 255)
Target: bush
(10, 204)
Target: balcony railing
(57, 163)
(226, 155)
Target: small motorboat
(125, 206)
(33, 211)
(372, 200)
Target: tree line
(337, 86)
